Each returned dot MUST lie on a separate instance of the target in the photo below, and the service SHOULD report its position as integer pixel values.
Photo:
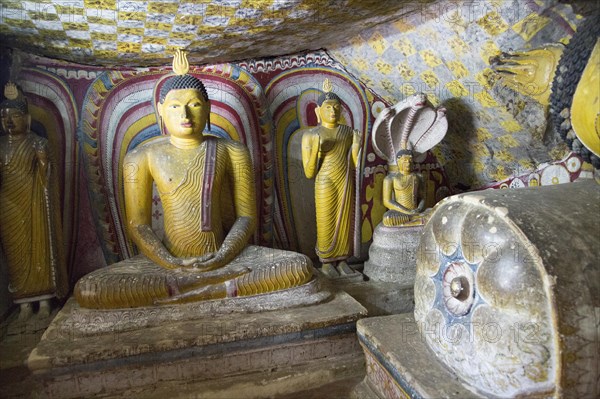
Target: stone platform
(73, 361)
(400, 365)
(392, 256)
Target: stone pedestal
(111, 353)
(392, 256)
(399, 364)
(380, 298)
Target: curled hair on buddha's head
(403, 152)
(14, 99)
(179, 82)
(327, 96)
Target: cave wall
(444, 50)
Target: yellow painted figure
(330, 154)
(198, 178)
(411, 126)
(403, 193)
(30, 223)
(186, 167)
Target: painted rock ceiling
(143, 33)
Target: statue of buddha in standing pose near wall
(330, 155)
(30, 215)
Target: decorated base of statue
(399, 363)
(89, 352)
(392, 256)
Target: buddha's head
(183, 106)
(329, 109)
(404, 159)
(14, 111)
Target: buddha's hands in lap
(153, 248)
(204, 263)
(196, 263)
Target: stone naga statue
(30, 223)
(330, 155)
(195, 175)
(399, 131)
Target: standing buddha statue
(330, 155)
(30, 222)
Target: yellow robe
(335, 199)
(30, 230)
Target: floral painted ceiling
(144, 33)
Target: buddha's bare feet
(344, 269)
(197, 294)
(528, 72)
(25, 311)
(44, 309)
(329, 270)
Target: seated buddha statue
(330, 155)
(411, 126)
(200, 180)
(30, 223)
(403, 192)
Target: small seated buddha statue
(411, 126)
(201, 179)
(403, 192)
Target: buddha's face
(14, 121)
(405, 164)
(330, 111)
(184, 112)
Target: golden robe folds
(30, 230)
(335, 198)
